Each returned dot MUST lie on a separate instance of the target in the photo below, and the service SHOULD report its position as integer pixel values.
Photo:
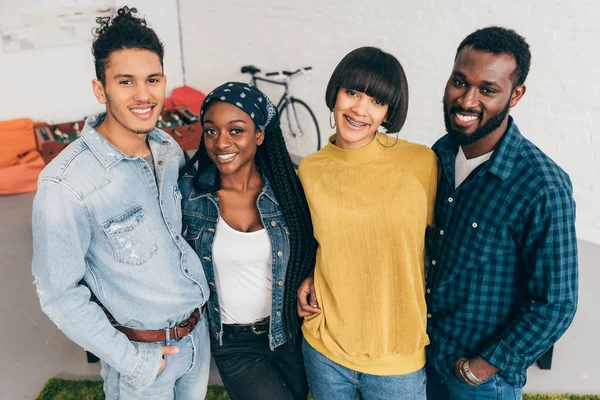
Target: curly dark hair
(273, 160)
(498, 40)
(123, 31)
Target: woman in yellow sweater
(371, 197)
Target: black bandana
(248, 98)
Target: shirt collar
(502, 161)
(104, 151)
(506, 152)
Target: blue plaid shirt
(502, 273)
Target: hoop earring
(331, 120)
(383, 145)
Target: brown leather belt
(161, 335)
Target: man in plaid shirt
(502, 273)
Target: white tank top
(243, 274)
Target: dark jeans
(251, 371)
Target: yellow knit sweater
(370, 208)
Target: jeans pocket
(131, 239)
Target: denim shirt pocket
(132, 241)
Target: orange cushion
(20, 163)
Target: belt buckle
(254, 330)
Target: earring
(382, 129)
(331, 120)
(379, 141)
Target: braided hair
(274, 161)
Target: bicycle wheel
(300, 129)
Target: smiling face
(231, 137)
(479, 95)
(357, 117)
(134, 92)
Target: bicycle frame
(289, 108)
(284, 83)
(285, 98)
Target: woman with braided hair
(245, 214)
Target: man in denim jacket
(106, 227)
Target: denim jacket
(200, 217)
(103, 223)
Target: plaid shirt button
(474, 225)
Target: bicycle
(298, 122)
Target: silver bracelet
(470, 375)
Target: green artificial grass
(66, 389)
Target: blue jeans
(185, 376)
(495, 388)
(328, 380)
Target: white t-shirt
(463, 167)
(243, 274)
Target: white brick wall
(559, 112)
(54, 84)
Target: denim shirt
(103, 223)
(200, 217)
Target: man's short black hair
(376, 73)
(498, 40)
(123, 31)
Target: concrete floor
(33, 349)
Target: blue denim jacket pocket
(191, 233)
(132, 242)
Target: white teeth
(141, 110)
(354, 123)
(466, 118)
(226, 156)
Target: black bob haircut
(376, 73)
(123, 31)
(498, 40)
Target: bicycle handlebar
(288, 73)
